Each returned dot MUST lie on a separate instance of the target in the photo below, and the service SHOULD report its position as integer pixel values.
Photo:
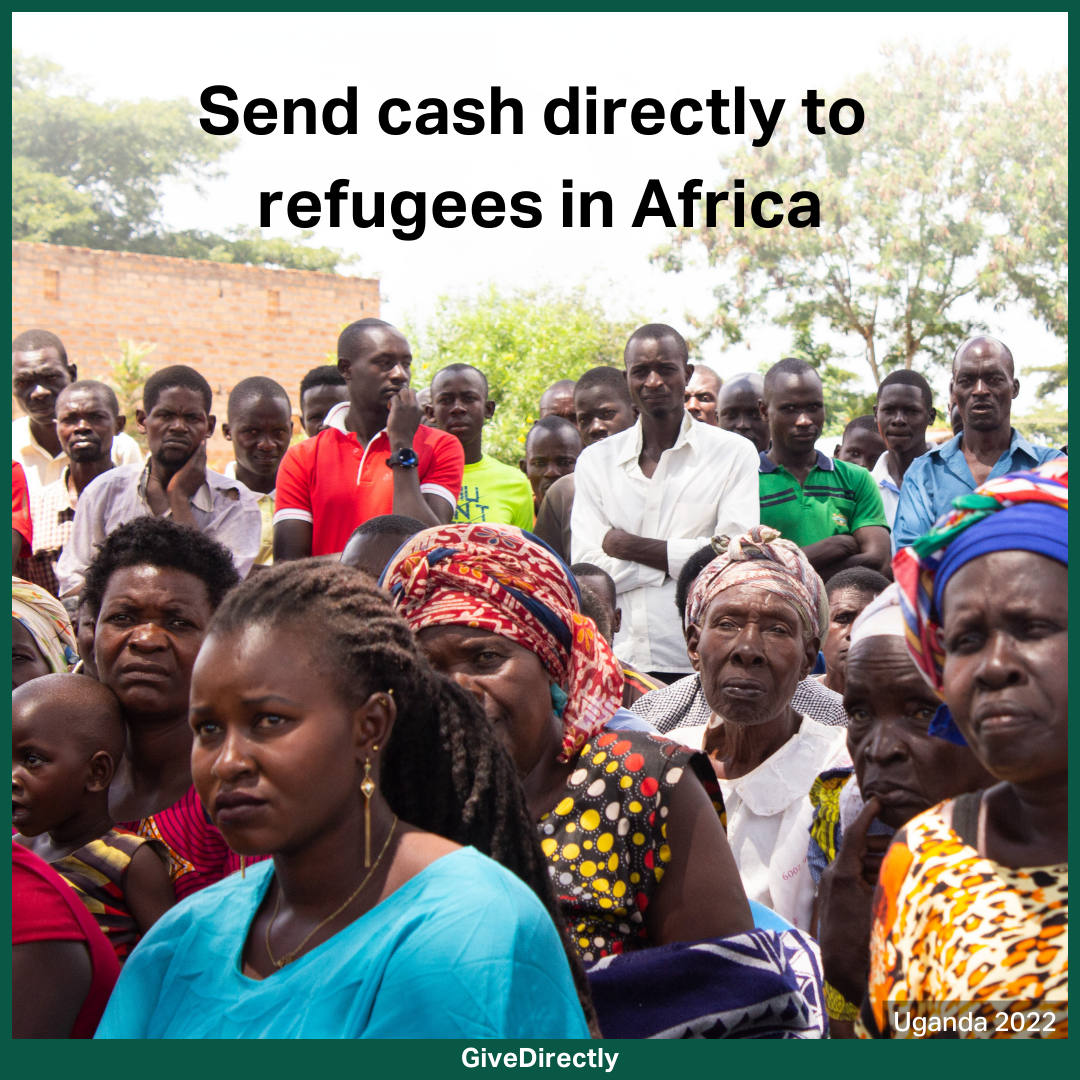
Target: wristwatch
(405, 458)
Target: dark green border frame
(391, 1059)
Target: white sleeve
(86, 530)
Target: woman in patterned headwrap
(42, 641)
(972, 901)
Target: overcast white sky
(534, 57)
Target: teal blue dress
(463, 950)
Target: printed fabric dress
(606, 841)
(955, 933)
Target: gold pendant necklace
(290, 956)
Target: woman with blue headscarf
(970, 933)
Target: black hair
(443, 768)
(354, 332)
(35, 340)
(179, 376)
(790, 365)
(553, 423)
(389, 525)
(689, 574)
(588, 569)
(857, 577)
(610, 378)
(659, 332)
(906, 377)
(861, 423)
(104, 389)
(160, 542)
(327, 375)
(457, 369)
(252, 389)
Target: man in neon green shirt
(490, 490)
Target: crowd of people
(681, 728)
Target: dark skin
(317, 402)
(37, 377)
(558, 400)
(739, 409)
(278, 760)
(795, 411)
(984, 387)
(423, 399)
(549, 455)
(17, 541)
(460, 406)
(901, 770)
(657, 373)
(860, 447)
(60, 789)
(752, 652)
(371, 552)
(86, 426)
(601, 412)
(149, 630)
(260, 430)
(702, 395)
(177, 429)
(701, 895)
(844, 608)
(53, 979)
(599, 597)
(26, 660)
(1006, 635)
(902, 418)
(84, 635)
(377, 379)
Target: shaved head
(984, 347)
(746, 380)
(73, 707)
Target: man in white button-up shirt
(647, 498)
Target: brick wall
(226, 321)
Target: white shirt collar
(880, 472)
(335, 418)
(633, 439)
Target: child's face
(50, 774)
(862, 447)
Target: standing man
(904, 410)
(372, 457)
(703, 395)
(984, 385)
(39, 371)
(831, 509)
(175, 481)
(88, 419)
(740, 409)
(603, 407)
(320, 390)
(551, 451)
(260, 429)
(558, 400)
(649, 497)
(490, 490)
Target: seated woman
(151, 591)
(42, 641)
(636, 850)
(323, 738)
(972, 905)
(756, 616)
(900, 769)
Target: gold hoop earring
(367, 786)
(243, 860)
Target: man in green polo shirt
(831, 509)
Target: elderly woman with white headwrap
(42, 641)
(758, 613)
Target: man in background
(702, 395)
(39, 371)
(260, 429)
(320, 390)
(861, 444)
(739, 409)
(848, 592)
(551, 451)
(88, 419)
(602, 407)
(373, 544)
(558, 400)
(490, 490)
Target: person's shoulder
(221, 482)
(507, 473)
(829, 735)
(441, 442)
(118, 476)
(733, 445)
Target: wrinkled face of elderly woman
(1005, 626)
(752, 650)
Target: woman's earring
(368, 788)
(242, 861)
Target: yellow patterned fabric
(952, 927)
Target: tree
(127, 376)
(522, 342)
(929, 202)
(92, 174)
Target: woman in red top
(151, 589)
(62, 967)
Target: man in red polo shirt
(372, 458)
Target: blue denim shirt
(936, 478)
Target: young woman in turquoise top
(324, 739)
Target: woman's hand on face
(845, 907)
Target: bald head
(739, 408)
(984, 385)
(984, 347)
(65, 708)
(558, 400)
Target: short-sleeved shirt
(492, 491)
(335, 483)
(20, 506)
(835, 499)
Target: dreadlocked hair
(443, 768)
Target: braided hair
(443, 768)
